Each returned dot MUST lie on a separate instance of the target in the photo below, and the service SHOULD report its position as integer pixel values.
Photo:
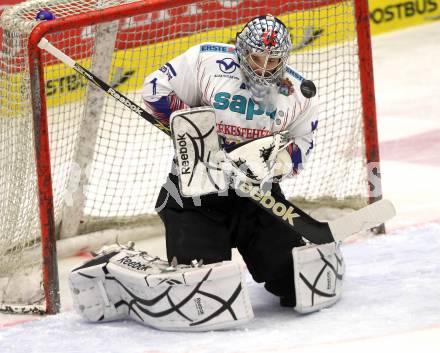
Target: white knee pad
(318, 275)
(181, 297)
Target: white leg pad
(95, 298)
(178, 298)
(185, 298)
(318, 273)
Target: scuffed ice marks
(391, 287)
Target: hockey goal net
(76, 165)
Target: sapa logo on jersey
(242, 105)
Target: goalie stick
(311, 229)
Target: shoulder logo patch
(286, 87)
(227, 65)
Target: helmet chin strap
(263, 35)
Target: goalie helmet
(263, 48)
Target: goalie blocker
(122, 283)
(205, 168)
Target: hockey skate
(122, 282)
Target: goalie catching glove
(122, 282)
(259, 161)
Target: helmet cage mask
(268, 37)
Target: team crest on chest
(228, 68)
(286, 87)
(227, 65)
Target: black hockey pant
(210, 230)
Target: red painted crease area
(421, 148)
(17, 322)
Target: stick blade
(365, 218)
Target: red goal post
(77, 167)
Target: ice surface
(407, 76)
(392, 287)
(391, 301)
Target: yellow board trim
(386, 15)
(390, 15)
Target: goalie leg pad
(183, 298)
(95, 298)
(318, 276)
(179, 298)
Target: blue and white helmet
(263, 35)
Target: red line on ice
(423, 148)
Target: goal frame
(40, 121)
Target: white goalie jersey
(209, 75)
